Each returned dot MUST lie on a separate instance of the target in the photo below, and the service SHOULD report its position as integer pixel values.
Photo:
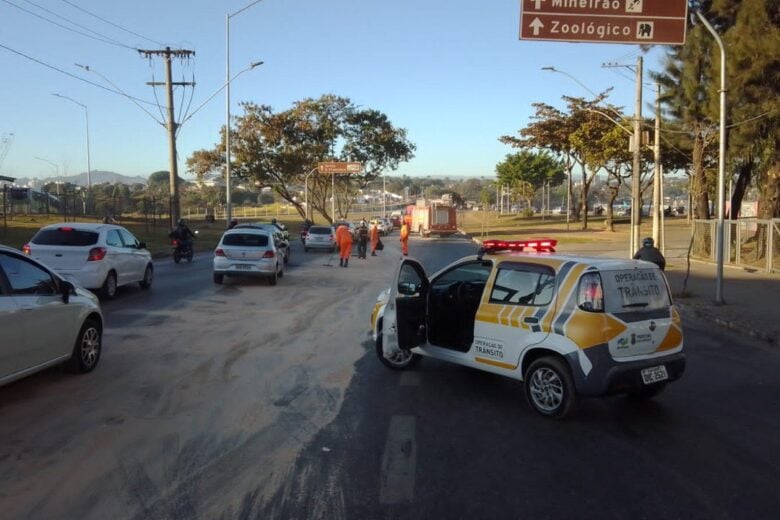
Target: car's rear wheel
(400, 361)
(305, 249)
(148, 276)
(86, 351)
(274, 277)
(549, 387)
(108, 290)
(218, 278)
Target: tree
(279, 149)
(527, 171)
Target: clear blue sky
(453, 73)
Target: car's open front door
(405, 318)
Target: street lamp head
(85, 67)
(553, 69)
(254, 64)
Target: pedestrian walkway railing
(750, 242)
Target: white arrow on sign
(538, 3)
(536, 25)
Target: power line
(117, 42)
(73, 75)
(111, 23)
(100, 39)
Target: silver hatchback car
(45, 320)
(320, 237)
(248, 252)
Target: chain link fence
(750, 242)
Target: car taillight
(96, 253)
(331, 237)
(269, 254)
(26, 249)
(175, 243)
(219, 252)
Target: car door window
(113, 239)
(26, 278)
(523, 284)
(128, 239)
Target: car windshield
(65, 236)
(245, 240)
(320, 230)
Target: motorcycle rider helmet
(182, 222)
(648, 242)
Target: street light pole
(228, 201)
(721, 160)
(636, 194)
(86, 120)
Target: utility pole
(171, 124)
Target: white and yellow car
(564, 325)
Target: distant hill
(98, 177)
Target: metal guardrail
(750, 242)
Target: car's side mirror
(407, 288)
(141, 245)
(66, 288)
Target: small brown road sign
(605, 21)
(340, 167)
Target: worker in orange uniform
(374, 235)
(344, 241)
(405, 239)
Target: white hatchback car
(45, 320)
(248, 251)
(97, 256)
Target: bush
(528, 212)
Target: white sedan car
(44, 319)
(98, 256)
(248, 251)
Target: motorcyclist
(183, 234)
(650, 253)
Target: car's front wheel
(399, 361)
(549, 387)
(148, 276)
(86, 351)
(218, 278)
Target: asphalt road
(250, 401)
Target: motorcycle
(182, 249)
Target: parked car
(45, 320)
(282, 241)
(389, 228)
(567, 326)
(352, 227)
(320, 237)
(380, 225)
(99, 257)
(248, 251)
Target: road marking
(398, 462)
(410, 379)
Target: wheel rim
(90, 347)
(400, 358)
(546, 388)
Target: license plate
(654, 374)
(243, 267)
